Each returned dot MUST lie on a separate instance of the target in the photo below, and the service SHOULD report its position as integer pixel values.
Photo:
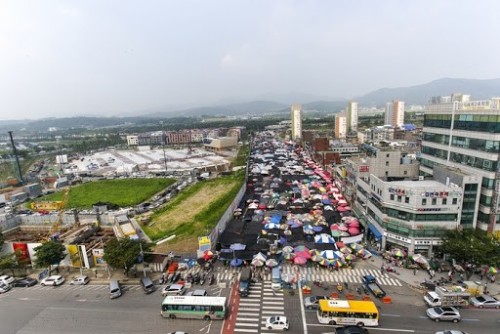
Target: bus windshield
(348, 312)
(194, 307)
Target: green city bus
(194, 307)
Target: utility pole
(163, 140)
(18, 165)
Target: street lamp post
(142, 257)
(163, 139)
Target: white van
(115, 290)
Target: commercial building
(296, 117)
(413, 215)
(465, 135)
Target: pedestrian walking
(382, 269)
(414, 271)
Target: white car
(277, 322)
(80, 280)
(173, 290)
(53, 280)
(6, 279)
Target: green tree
(8, 262)
(49, 253)
(2, 240)
(124, 253)
(472, 246)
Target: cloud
(68, 11)
(227, 60)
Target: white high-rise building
(395, 113)
(296, 115)
(341, 125)
(352, 116)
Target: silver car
(312, 302)
(443, 314)
(450, 331)
(485, 301)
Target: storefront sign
(364, 169)
(398, 238)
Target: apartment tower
(395, 113)
(296, 115)
(352, 116)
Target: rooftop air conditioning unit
(421, 178)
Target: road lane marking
(390, 315)
(470, 319)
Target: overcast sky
(67, 58)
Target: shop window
(424, 201)
(392, 197)
(445, 201)
(434, 201)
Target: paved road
(88, 309)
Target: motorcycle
(202, 279)
(169, 277)
(196, 278)
(177, 277)
(211, 280)
(189, 278)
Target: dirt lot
(185, 212)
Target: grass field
(123, 192)
(193, 212)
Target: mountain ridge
(416, 94)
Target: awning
(375, 232)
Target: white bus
(348, 312)
(194, 307)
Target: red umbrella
(304, 254)
(353, 231)
(207, 255)
(300, 260)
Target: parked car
(53, 280)
(485, 301)
(24, 282)
(6, 279)
(277, 322)
(172, 290)
(443, 314)
(312, 302)
(450, 331)
(4, 288)
(351, 330)
(80, 280)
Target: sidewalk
(408, 276)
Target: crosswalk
(261, 303)
(317, 274)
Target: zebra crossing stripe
(249, 314)
(245, 330)
(246, 324)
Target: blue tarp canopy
(375, 232)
